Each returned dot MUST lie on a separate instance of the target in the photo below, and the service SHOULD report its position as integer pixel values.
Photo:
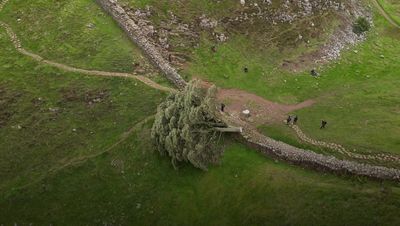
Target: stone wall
(279, 150)
(250, 136)
(324, 163)
(310, 159)
(135, 34)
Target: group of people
(293, 119)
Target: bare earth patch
(262, 111)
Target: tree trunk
(230, 129)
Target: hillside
(295, 34)
(78, 99)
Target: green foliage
(184, 127)
(361, 25)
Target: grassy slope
(60, 31)
(359, 95)
(132, 184)
(40, 107)
(260, 46)
(392, 7)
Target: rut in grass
(342, 150)
(18, 46)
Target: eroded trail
(385, 14)
(82, 159)
(18, 46)
(262, 111)
(342, 150)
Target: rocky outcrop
(135, 34)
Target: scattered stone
(207, 23)
(90, 25)
(54, 109)
(18, 127)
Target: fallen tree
(187, 129)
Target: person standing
(323, 124)
(295, 119)
(222, 107)
(288, 120)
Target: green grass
(49, 118)
(357, 94)
(77, 33)
(132, 185)
(259, 45)
(392, 7)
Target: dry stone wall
(135, 34)
(321, 162)
(307, 158)
(250, 136)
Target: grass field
(392, 7)
(62, 160)
(49, 117)
(258, 45)
(76, 33)
(357, 94)
(133, 185)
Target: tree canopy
(186, 127)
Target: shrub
(361, 25)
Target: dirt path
(261, 110)
(17, 44)
(385, 14)
(342, 150)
